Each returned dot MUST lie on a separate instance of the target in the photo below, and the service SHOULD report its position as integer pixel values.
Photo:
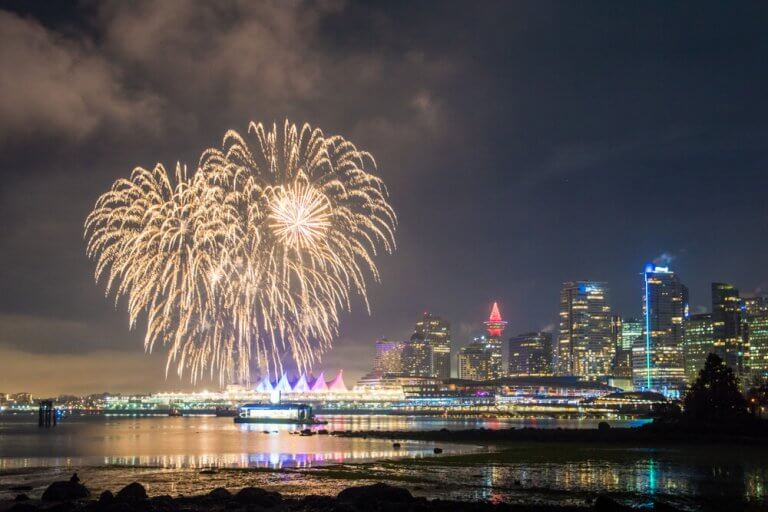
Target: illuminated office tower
(616, 327)
(657, 357)
(584, 346)
(436, 332)
(530, 354)
(697, 344)
(389, 357)
(726, 326)
(495, 327)
(474, 361)
(416, 358)
(631, 329)
(755, 316)
(626, 331)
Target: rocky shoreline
(73, 496)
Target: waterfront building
(436, 332)
(21, 398)
(530, 354)
(495, 328)
(697, 344)
(389, 357)
(584, 347)
(755, 322)
(657, 357)
(726, 326)
(474, 361)
(376, 384)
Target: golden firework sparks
(252, 257)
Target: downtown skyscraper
(495, 328)
(755, 330)
(530, 354)
(474, 361)
(657, 357)
(389, 357)
(727, 327)
(585, 344)
(697, 344)
(625, 332)
(436, 333)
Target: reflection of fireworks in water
(252, 256)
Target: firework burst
(250, 258)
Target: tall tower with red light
(495, 327)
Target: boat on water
(292, 414)
(226, 412)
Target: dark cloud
(55, 85)
(523, 145)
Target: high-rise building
(755, 321)
(389, 357)
(530, 354)
(697, 344)
(416, 358)
(495, 327)
(726, 326)
(616, 327)
(474, 361)
(436, 332)
(626, 331)
(657, 357)
(631, 329)
(584, 347)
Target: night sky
(523, 144)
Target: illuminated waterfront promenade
(509, 397)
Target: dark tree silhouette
(715, 396)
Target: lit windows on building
(585, 346)
(495, 328)
(436, 332)
(726, 326)
(530, 354)
(755, 316)
(389, 357)
(626, 331)
(657, 357)
(417, 358)
(697, 344)
(474, 361)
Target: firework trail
(251, 257)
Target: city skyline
(414, 354)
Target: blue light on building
(658, 357)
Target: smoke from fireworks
(250, 258)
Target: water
(198, 442)
(166, 455)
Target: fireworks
(250, 258)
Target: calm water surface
(166, 453)
(201, 441)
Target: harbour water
(167, 454)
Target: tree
(715, 396)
